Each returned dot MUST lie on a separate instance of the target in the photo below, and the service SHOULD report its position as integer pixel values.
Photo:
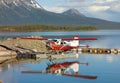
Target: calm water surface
(105, 67)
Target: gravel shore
(35, 45)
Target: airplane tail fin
(76, 41)
(76, 37)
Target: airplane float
(63, 44)
(63, 69)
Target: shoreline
(7, 54)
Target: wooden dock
(97, 51)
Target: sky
(103, 9)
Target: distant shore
(43, 28)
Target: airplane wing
(77, 76)
(81, 76)
(75, 38)
(61, 39)
(34, 38)
(79, 39)
(33, 72)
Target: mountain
(28, 4)
(73, 12)
(13, 12)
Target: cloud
(56, 9)
(96, 8)
(104, 1)
(77, 0)
(93, 5)
(88, 5)
(104, 9)
(115, 6)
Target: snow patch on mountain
(25, 3)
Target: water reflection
(110, 59)
(63, 69)
(70, 69)
(16, 64)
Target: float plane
(63, 44)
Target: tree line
(43, 27)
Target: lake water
(105, 67)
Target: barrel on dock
(118, 51)
(84, 50)
(114, 51)
(106, 51)
(97, 50)
(93, 50)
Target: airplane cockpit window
(62, 43)
(55, 40)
